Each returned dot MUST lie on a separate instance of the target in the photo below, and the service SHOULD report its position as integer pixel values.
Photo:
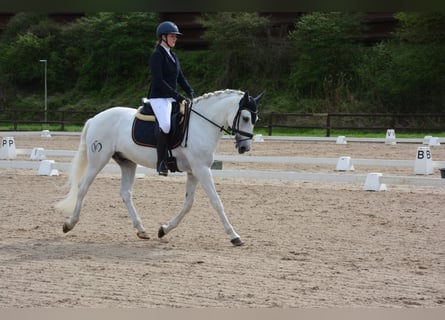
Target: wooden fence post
(328, 125)
(270, 123)
(63, 120)
(14, 119)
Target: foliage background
(101, 60)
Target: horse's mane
(216, 93)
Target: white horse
(108, 135)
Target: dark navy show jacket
(165, 75)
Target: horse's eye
(246, 119)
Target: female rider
(166, 73)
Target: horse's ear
(246, 96)
(260, 96)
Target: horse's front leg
(191, 184)
(205, 177)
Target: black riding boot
(162, 149)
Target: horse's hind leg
(191, 184)
(84, 184)
(128, 169)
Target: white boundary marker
(344, 164)
(424, 161)
(37, 154)
(341, 140)
(434, 142)
(390, 137)
(7, 148)
(46, 168)
(373, 182)
(45, 134)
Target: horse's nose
(243, 149)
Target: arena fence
(13, 119)
(410, 122)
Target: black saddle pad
(144, 132)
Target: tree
(407, 73)
(242, 50)
(27, 39)
(327, 47)
(111, 47)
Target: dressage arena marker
(45, 134)
(37, 154)
(258, 138)
(424, 161)
(341, 140)
(7, 148)
(344, 164)
(433, 142)
(426, 139)
(390, 136)
(373, 182)
(46, 168)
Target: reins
(221, 128)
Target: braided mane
(217, 93)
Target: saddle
(146, 128)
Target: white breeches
(162, 107)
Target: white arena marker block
(341, 140)
(46, 134)
(434, 142)
(426, 139)
(344, 164)
(390, 136)
(373, 182)
(7, 148)
(46, 168)
(258, 138)
(424, 161)
(37, 154)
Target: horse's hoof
(66, 228)
(161, 232)
(237, 242)
(143, 235)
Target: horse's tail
(78, 168)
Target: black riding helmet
(167, 27)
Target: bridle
(234, 129)
(252, 108)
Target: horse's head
(245, 120)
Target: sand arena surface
(308, 244)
